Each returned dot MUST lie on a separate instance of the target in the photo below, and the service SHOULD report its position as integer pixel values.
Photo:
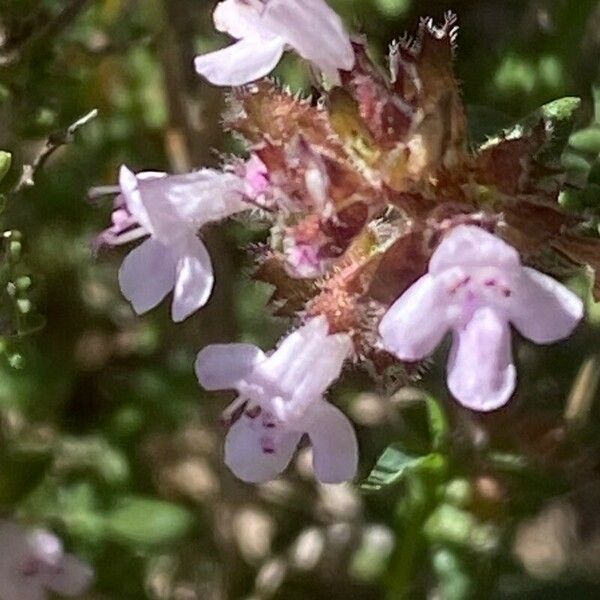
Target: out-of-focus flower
(283, 398)
(264, 28)
(171, 210)
(476, 286)
(34, 563)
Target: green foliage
(139, 521)
(398, 461)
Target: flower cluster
(385, 231)
(34, 563)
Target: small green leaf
(144, 521)
(459, 493)
(586, 140)
(395, 463)
(5, 163)
(450, 524)
(505, 461)
(580, 200)
(555, 119)
(438, 423)
(454, 580)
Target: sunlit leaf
(144, 521)
(395, 463)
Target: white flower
(170, 210)
(283, 397)
(265, 28)
(475, 287)
(32, 564)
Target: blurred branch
(55, 141)
(40, 28)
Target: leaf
(449, 524)
(548, 128)
(586, 140)
(5, 163)
(144, 521)
(395, 463)
(438, 423)
(558, 118)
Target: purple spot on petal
(268, 445)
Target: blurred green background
(105, 434)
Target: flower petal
(223, 366)
(147, 275)
(72, 579)
(193, 281)
(314, 30)
(416, 323)
(247, 60)
(245, 452)
(306, 363)
(237, 18)
(481, 374)
(129, 184)
(335, 449)
(14, 552)
(169, 202)
(542, 309)
(470, 246)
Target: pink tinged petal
(542, 309)
(133, 198)
(470, 246)
(22, 588)
(256, 177)
(481, 373)
(255, 456)
(193, 280)
(72, 578)
(238, 18)
(223, 366)
(306, 363)
(416, 323)
(247, 60)
(335, 449)
(196, 198)
(314, 30)
(15, 553)
(147, 275)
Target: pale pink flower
(33, 564)
(265, 28)
(169, 211)
(475, 287)
(282, 395)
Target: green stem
(408, 546)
